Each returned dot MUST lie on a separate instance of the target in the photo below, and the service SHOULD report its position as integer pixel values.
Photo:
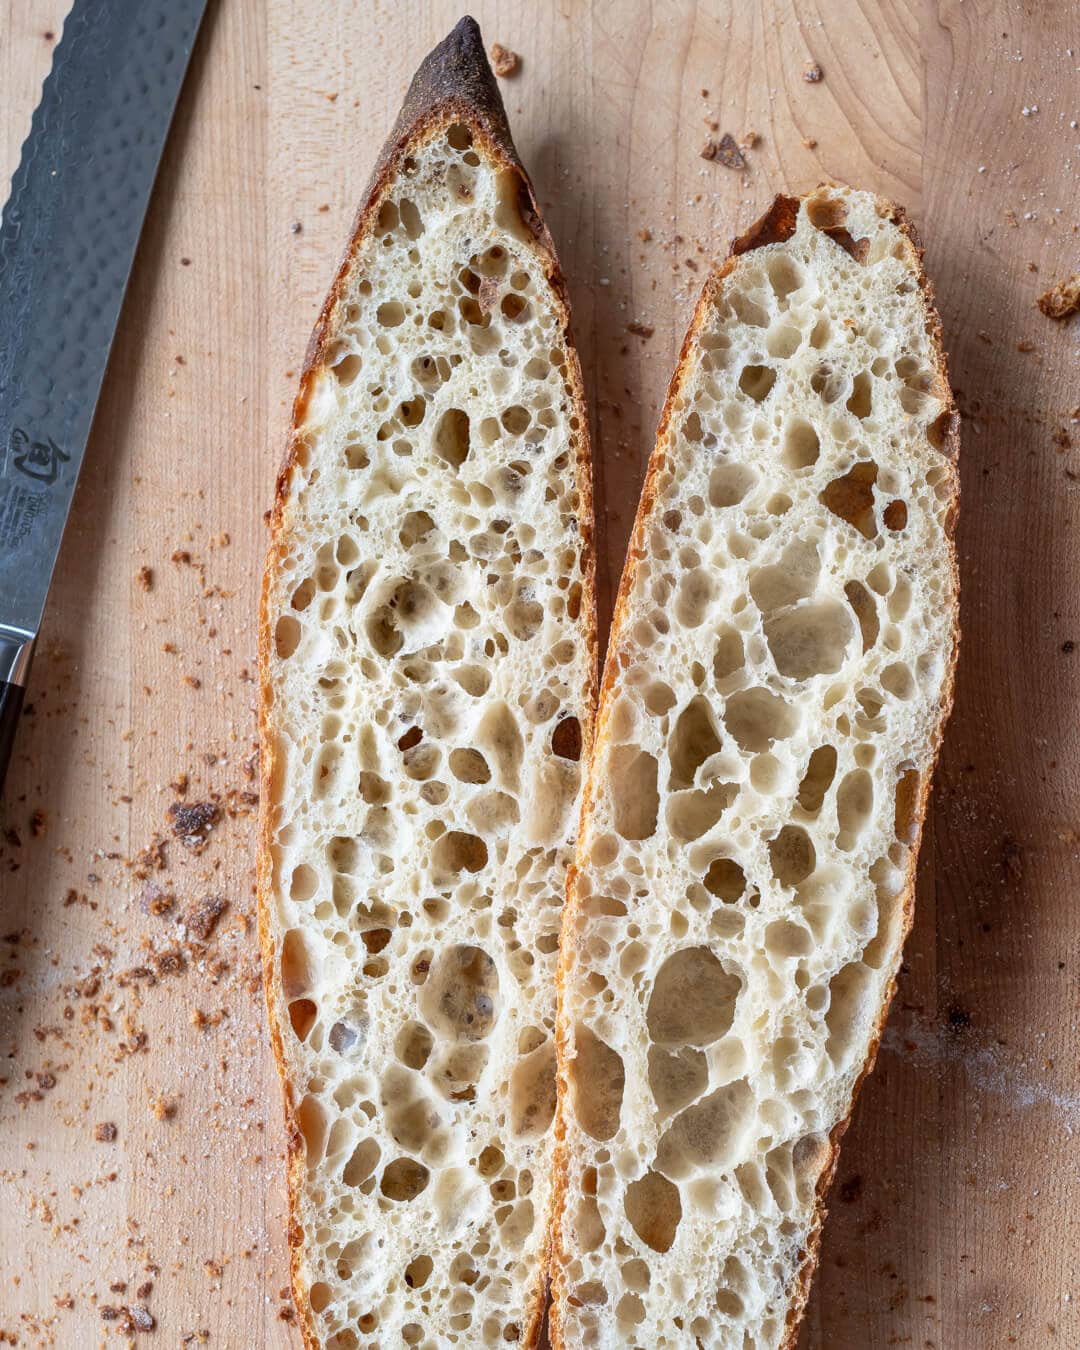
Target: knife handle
(11, 701)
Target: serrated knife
(67, 241)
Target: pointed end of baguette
(456, 75)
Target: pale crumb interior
(778, 695)
(429, 683)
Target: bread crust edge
(454, 83)
(775, 226)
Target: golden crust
(775, 226)
(453, 84)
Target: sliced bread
(428, 674)
(778, 676)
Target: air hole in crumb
(854, 805)
(907, 806)
(418, 1271)
(756, 718)
(635, 798)
(654, 1208)
(792, 855)
(566, 739)
(676, 1077)
(457, 851)
(302, 1015)
(692, 1000)
(729, 484)
(851, 1002)
(469, 766)
(416, 525)
(710, 1133)
(287, 636)
(404, 1179)
(860, 401)
(364, 1160)
(390, 314)
(413, 1045)
(597, 1079)
(693, 814)
(725, 879)
(693, 740)
(460, 997)
(851, 497)
(895, 515)
(459, 137)
(297, 968)
(451, 441)
(304, 883)
(319, 1296)
(820, 772)
(729, 655)
(811, 639)
(865, 607)
(757, 382)
(532, 1092)
(898, 680)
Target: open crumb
(504, 62)
(1062, 300)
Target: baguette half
(427, 647)
(779, 673)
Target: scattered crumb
(749, 140)
(1062, 299)
(809, 143)
(812, 73)
(641, 330)
(105, 1132)
(644, 234)
(145, 578)
(192, 822)
(201, 918)
(725, 150)
(1025, 346)
(504, 62)
(162, 1107)
(156, 901)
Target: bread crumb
(200, 919)
(162, 1107)
(644, 234)
(192, 822)
(641, 330)
(812, 73)
(809, 143)
(725, 150)
(145, 578)
(105, 1132)
(749, 140)
(1062, 300)
(504, 61)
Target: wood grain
(954, 1223)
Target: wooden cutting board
(141, 1154)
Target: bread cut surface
(779, 672)
(428, 677)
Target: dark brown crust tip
(776, 226)
(454, 83)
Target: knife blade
(67, 242)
